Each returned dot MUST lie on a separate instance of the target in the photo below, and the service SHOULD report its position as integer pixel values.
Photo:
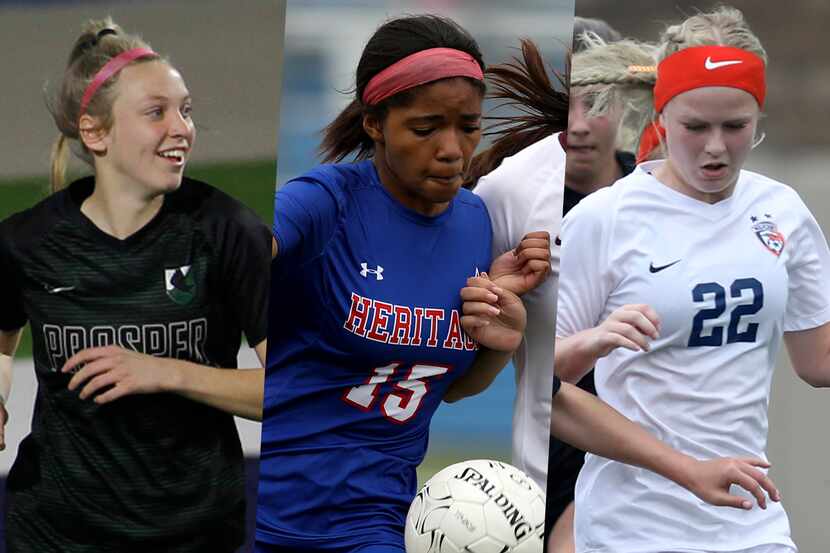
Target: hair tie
(105, 32)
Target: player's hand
(630, 327)
(111, 372)
(711, 480)
(492, 316)
(524, 268)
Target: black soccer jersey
(153, 472)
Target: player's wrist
(680, 468)
(175, 380)
(582, 354)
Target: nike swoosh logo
(59, 289)
(653, 269)
(709, 64)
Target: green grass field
(444, 455)
(252, 182)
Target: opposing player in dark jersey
(138, 284)
(366, 317)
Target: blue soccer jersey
(364, 340)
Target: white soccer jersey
(726, 280)
(524, 195)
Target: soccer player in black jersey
(138, 284)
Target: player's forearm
(588, 423)
(236, 391)
(573, 357)
(486, 367)
(9, 340)
(5, 377)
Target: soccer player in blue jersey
(366, 313)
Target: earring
(758, 142)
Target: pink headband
(112, 67)
(420, 68)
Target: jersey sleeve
(808, 303)
(246, 255)
(12, 313)
(305, 216)
(504, 214)
(585, 279)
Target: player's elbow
(815, 381)
(456, 393)
(814, 375)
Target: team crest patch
(767, 232)
(180, 284)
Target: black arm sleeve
(12, 314)
(246, 265)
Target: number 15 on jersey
(402, 404)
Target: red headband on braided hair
(112, 67)
(699, 67)
(420, 68)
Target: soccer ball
(477, 507)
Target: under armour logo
(365, 271)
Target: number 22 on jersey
(400, 405)
(705, 292)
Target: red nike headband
(420, 68)
(703, 66)
(699, 67)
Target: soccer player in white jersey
(678, 283)
(522, 188)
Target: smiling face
(152, 133)
(709, 133)
(423, 149)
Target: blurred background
(229, 54)
(319, 68)
(795, 151)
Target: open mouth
(580, 148)
(176, 156)
(714, 170)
